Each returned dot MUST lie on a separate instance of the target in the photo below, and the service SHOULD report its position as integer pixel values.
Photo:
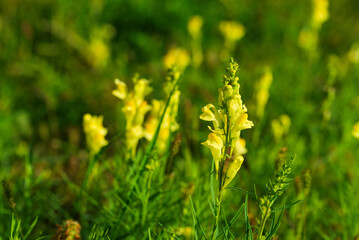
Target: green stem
(264, 220)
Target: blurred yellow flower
(231, 30)
(95, 132)
(194, 26)
(100, 52)
(355, 130)
(353, 54)
(135, 108)
(281, 126)
(320, 13)
(121, 90)
(177, 56)
(308, 39)
(263, 91)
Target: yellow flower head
(135, 108)
(308, 39)
(228, 121)
(100, 52)
(215, 144)
(281, 126)
(95, 132)
(194, 26)
(263, 91)
(177, 56)
(231, 30)
(355, 130)
(320, 13)
(121, 90)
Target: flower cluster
(308, 37)
(194, 27)
(177, 56)
(95, 133)
(135, 108)
(232, 32)
(229, 119)
(169, 123)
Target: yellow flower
(95, 132)
(100, 52)
(135, 108)
(207, 113)
(355, 130)
(153, 119)
(263, 91)
(121, 90)
(240, 124)
(232, 170)
(280, 127)
(194, 26)
(141, 88)
(239, 147)
(177, 56)
(228, 121)
(308, 39)
(231, 30)
(320, 12)
(215, 144)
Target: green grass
(58, 61)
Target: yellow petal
(207, 113)
(121, 90)
(232, 170)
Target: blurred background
(299, 76)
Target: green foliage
(59, 59)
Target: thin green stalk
(221, 183)
(146, 198)
(264, 220)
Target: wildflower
(95, 132)
(121, 90)
(228, 121)
(215, 144)
(308, 39)
(355, 130)
(320, 13)
(194, 29)
(135, 108)
(280, 127)
(263, 91)
(194, 26)
(178, 57)
(227, 148)
(100, 52)
(231, 30)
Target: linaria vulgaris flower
(95, 132)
